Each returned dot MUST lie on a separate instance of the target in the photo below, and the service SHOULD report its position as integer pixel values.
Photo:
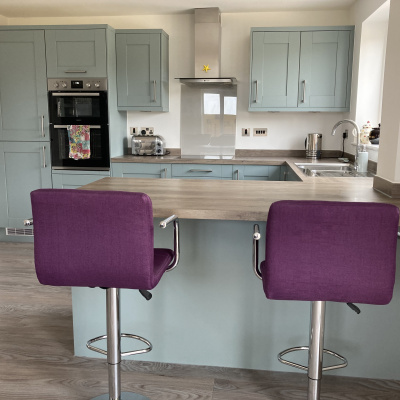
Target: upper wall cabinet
(301, 69)
(76, 53)
(142, 70)
(23, 88)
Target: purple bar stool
(309, 257)
(101, 239)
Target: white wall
(285, 130)
(389, 151)
(371, 72)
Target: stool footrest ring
(305, 368)
(126, 353)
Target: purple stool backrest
(330, 251)
(91, 238)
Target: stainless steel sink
(333, 170)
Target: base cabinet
(141, 170)
(76, 179)
(24, 167)
(287, 174)
(256, 172)
(204, 171)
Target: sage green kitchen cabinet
(197, 171)
(24, 166)
(301, 69)
(23, 88)
(256, 172)
(142, 70)
(287, 174)
(66, 179)
(76, 53)
(141, 170)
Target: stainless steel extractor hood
(207, 49)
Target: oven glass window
(60, 149)
(77, 107)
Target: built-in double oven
(79, 134)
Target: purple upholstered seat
(91, 238)
(330, 251)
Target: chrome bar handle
(304, 92)
(256, 100)
(256, 238)
(164, 171)
(76, 72)
(155, 91)
(285, 174)
(163, 225)
(28, 222)
(200, 170)
(42, 124)
(237, 175)
(66, 126)
(74, 94)
(44, 156)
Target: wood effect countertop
(239, 200)
(205, 160)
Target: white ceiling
(72, 8)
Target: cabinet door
(23, 89)
(139, 70)
(325, 70)
(23, 167)
(196, 171)
(69, 180)
(76, 53)
(274, 70)
(287, 174)
(256, 172)
(141, 170)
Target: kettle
(313, 146)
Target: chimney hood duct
(207, 49)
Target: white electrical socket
(246, 131)
(147, 130)
(259, 131)
(134, 130)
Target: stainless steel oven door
(99, 149)
(75, 107)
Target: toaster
(147, 145)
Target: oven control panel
(76, 84)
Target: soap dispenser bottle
(363, 159)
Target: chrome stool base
(315, 352)
(343, 364)
(124, 396)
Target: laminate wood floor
(37, 361)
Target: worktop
(238, 200)
(174, 159)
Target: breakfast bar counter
(211, 310)
(239, 200)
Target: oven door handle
(66, 126)
(76, 94)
